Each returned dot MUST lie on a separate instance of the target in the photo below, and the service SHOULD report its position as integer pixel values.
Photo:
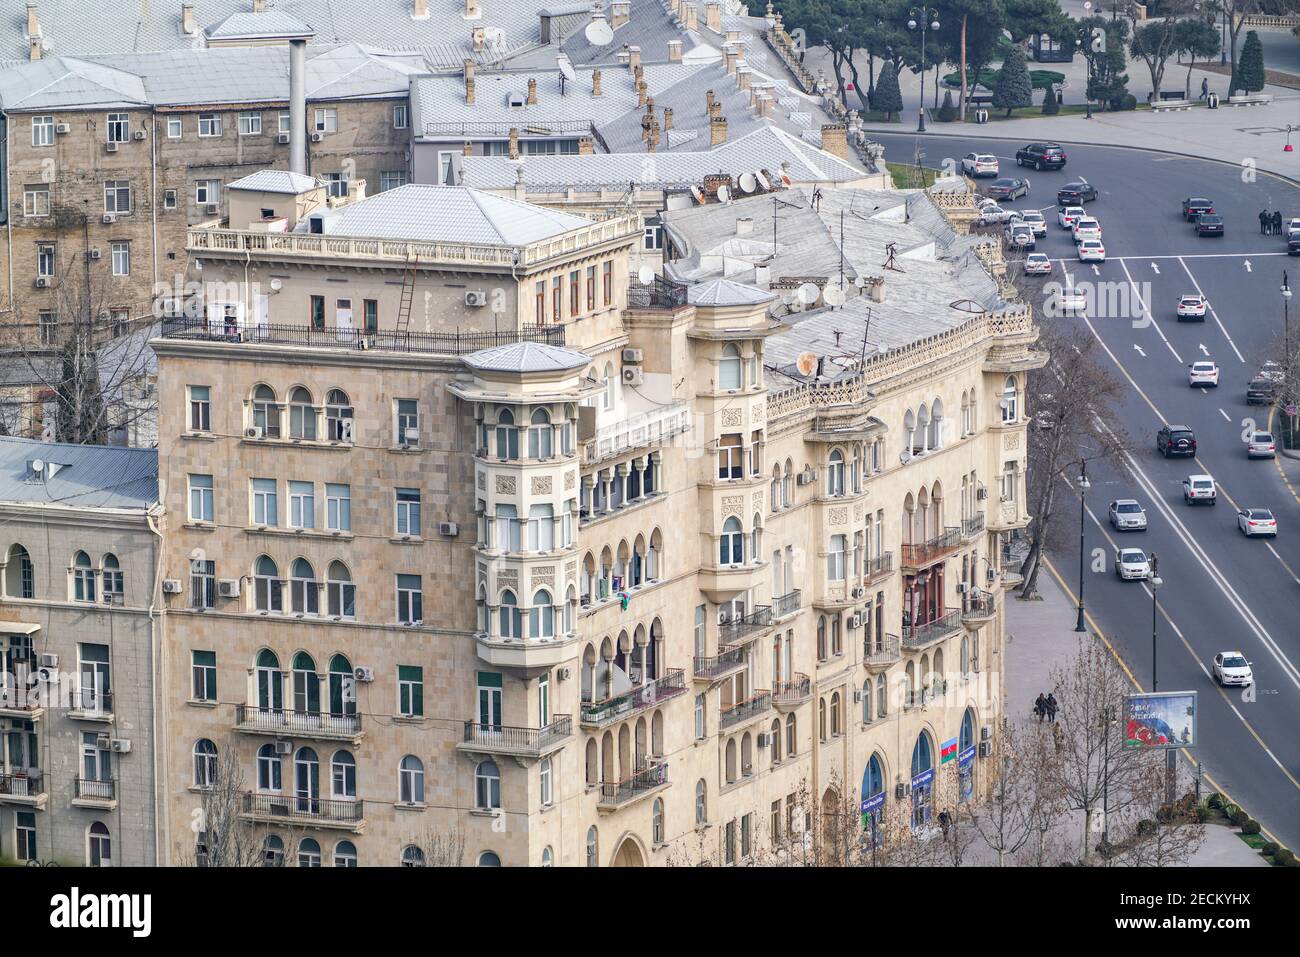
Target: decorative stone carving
(731, 416)
(756, 413)
(857, 512)
(732, 505)
(507, 576)
(1011, 441)
(544, 575)
(506, 484)
(570, 480)
(838, 516)
(482, 481)
(571, 569)
(541, 485)
(758, 501)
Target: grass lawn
(875, 116)
(910, 177)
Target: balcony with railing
(90, 704)
(788, 695)
(874, 569)
(726, 661)
(616, 794)
(637, 432)
(787, 604)
(516, 742)
(305, 811)
(278, 722)
(17, 699)
(751, 707)
(970, 527)
(927, 633)
(25, 787)
(658, 293)
(978, 609)
(881, 652)
(598, 714)
(93, 793)
(925, 553)
(733, 628)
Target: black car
(1175, 440)
(1075, 194)
(1261, 392)
(1041, 156)
(1293, 244)
(1011, 188)
(1194, 206)
(1209, 224)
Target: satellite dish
(833, 295)
(598, 33)
(762, 180)
(905, 456)
(645, 274)
(808, 293)
(860, 282)
(748, 182)
(724, 194)
(806, 363)
(37, 466)
(566, 68)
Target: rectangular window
(203, 584)
(607, 274)
(574, 308)
(45, 260)
(408, 422)
(283, 122)
(1009, 475)
(700, 630)
(557, 299)
(250, 124)
(36, 200)
(121, 259)
(174, 129)
(200, 408)
(653, 237)
(408, 512)
(540, 316)
(169, 199)
(42, 131)
(202, 506)
(327, 121)
(591, 288)
(401, 116)
(302, 505)
(119, 320)
(343, 313)
(835, 559)
(410, 599)
(729, 843)
(265, 506)
(203, 666)
(117, 196)
(338, 185)
(118, 126)
(370, 312)
(49, 324)
(746, 834)
(775, 824)
(410, 691)
(318, 312)
(207, 191)
(391, 179)
(25, 835)
(338, 507)
(209, 124)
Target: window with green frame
(204, 667)
(410, 691)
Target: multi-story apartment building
(80, 641)
(474, 536)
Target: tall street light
(925, 19)
(1084, 485)
(1155, 582)
(1286, 322)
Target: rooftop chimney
(467, 149)
(675, 6)
(532, 92)
(420, 10)
(620, 13)
(469, 81)
(634, 58)
(733, 36)
(640, 93)
(514, 143)
(472, 11)
(35, 47)
(717, 131)
(479, 37)
(298, 105)
(586, 146)
(713, 15)
(259, 6)
(692, 17)
(674, 51)
(187, 18)
(521, 190)
(595, 83)
(708, 102)
(668, 118)
(835, 140)
(729, 59)
(765, 101)
(33, 23)
(356, 190)
(876, 288)
(743, 74)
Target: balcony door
(489, 702)
(306, 781)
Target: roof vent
(515, 100)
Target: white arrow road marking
(1204, 351)
(1204, 391)
(1146, 310)
(1156, 268)
(1247, 264)
(1096, 271)
(1225, 416)
(1139, 350)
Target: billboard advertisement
(1165, 719)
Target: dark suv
(1209, 224)
(1261, 391)
(1175, 440)
(1041, 156)
(1194, 206)
(1075, 194)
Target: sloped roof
(724, 292)
(524, 357)
(277, 181)
(62, 82)
(266, 24)
(91, 476)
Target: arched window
(205, 764)
(791, 735)
(775, 735)
(270, 772)
(546, 778)
(100, 850)
(267, 586)
(345, 854)
(936, 425)
(922, 437)
(548, 857)
(306, 684)
(746, 754)
(592, 762)
(411, 780)
(756, 537)
(965, 656)
(872, 795)
(540, 435)
(593, 847)
(489, 859)
(20, 575)
(836, 708)
(302, 415)
(821, 638)
(83, 578)
(653, 556)
(867, 697)
(303, 589)
(922, 780)
(787, 485)
(701, 803)
(730, 373)
(306, 781)
(541, 616)
(341, 593)
(412, 856)
(343, 776)
(731, 546)
(1010, 409)
(114, 583)
(510, 617)
(909, 432)
(487, 786)
(273, 851)
(338, 425)
(507, 436)
(882, 697)
(821, 719)
(835, 473)
(731, 769)
(966, 757)
(270, 682)
(308, 852)
(776, 488)
(609, 386)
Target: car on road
(1261, 445)
(1019, 235)
(1012, 187)
(1085, 227)
(993, 214)
(1209, 224)
(1291, 226)
(1070, 300)
(1192, 307)
(1127, 515)
(1256, 521)
(1068, 215)
(1175, 440)
(1261, 391)
(1034, 220)
(979, 164)
(1194, 206)
(1232, 668)
(1037, 264)
(1199, 488)
(1092, 251)
(1075, 194)
(1203, 372)
(1293, 244)
(1132, 564)
(1041, 156)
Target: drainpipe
(157, 659)
(9, 219)
(153, 207)
(298, 106)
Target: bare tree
(222, 835)
(1025, 799)
(438, 848)
(1151, 832)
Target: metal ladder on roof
(404, 307)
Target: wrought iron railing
(972, 526)
(303, 807)
(758, 702)
(736, 627)
(634, 700)
(92, 701)
(714, 665)
(519, 739)
(19, 784)
(620, 792)
(915, 636)
(277, 720)
(916, 555)
(787, 604)
(878, 567)
(792, 692)
(658, 293)
(978, 607)
(881, 650)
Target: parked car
(1092, 251)
(1037, 264)
(1192, 307)
(1067, 215)
(1232, 668)
(979, 164)
(1175, 440)
(1019, 235)
(1261, 391)
(1127, 515)
(1257, 521)
(1261, 445)
(1076, 194)
(1034, 219)
(1291, 226)
(1041, 156)
(1203, 372)
(1085, 227)
(1209, 224)
(1132, 564)
(1199, 488)
(1009, 188)
(1194, 206)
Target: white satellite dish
(37, 466)
(833, 295)
(724, 194)
(748, 182)
(762, 180)
(808, 293)
(860, 282)
(566, 68)
(789, 296)
(645, 274)
(806, 363)
(598, 33)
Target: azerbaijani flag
(947, 751)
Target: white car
(1037, 264)
(979, 164)
(1203, 373)
(1127, 514)
(1232, 668)
(1070, 300)
(1018, 234)
(1066, 215)
(1131, 564)
(1192, 307)
(1199, 488)
(1256, 521)
(1092, 251)
(1261, 445)
(1085, 227)
(993, 214)
(1034, 219)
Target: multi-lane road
(1220, 591)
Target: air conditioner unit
(633, 375)
(121, 745)
(62, 128)
(564, 674)
(282, 138)
(109, 219)
(317, 137)
(345, 430)
(986, 749)
(284, 747)
(93, 254)
(411, 437)
(901, 791)
(45, 675)
(450, 529)
(42, 282)
(961, 588)
(103, 741)
(986, 733)
(49, 660)
(363, 674)
(171, 586)
(982, 492)
(764, 739)
(633, 355)
(253, 432)
(855, 621)
(110, 147)
(806, 477)
(138, 136)
(993, 576)
(476, 298)
(859, 592)
(211, 209)
(228, 587)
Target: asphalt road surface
(1220, 590)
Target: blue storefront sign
(966, 757)
(922, 779)
(873, 803)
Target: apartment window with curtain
(408, 512)
(607, 281)
(591, 288)
(318, 312)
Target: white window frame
(175, 128)
(401, 116)
(114, 188)
(406, 512)
(120, 252)
(117, 127)
(206, 191)
(206, 498)
(32, 200)
(338, 507)
(212, 122)
(302, 504)
(260, 499)
(250, 123)
(326, 120)
(43, 130)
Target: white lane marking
(1139, 350)
(1225, 416)
(1210, 308)
(1146, 309)
(1096, 270)
(1199, 256)
(1283, 561)
(1156, 268)
(1247, 265)
(1204, 351)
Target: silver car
(1127, 515)
(1131, 564)
(1261, 445)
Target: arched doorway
(629, 855)
(873, 795)
(966, 758)
(922, 781)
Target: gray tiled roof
(92, 476)
(263, 25)
(276, 181)
(451, 213)
(59, 80)
(724, 292)
(526, 357)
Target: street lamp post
(1155, 583)
(1084, 485)
(925, 19)
(1286, 323)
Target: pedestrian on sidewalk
(1263, 221)
(1051, 707)
(945, 822)
(1277, 222)
(1040, 707)
(1205, 88)
(1058, 738)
